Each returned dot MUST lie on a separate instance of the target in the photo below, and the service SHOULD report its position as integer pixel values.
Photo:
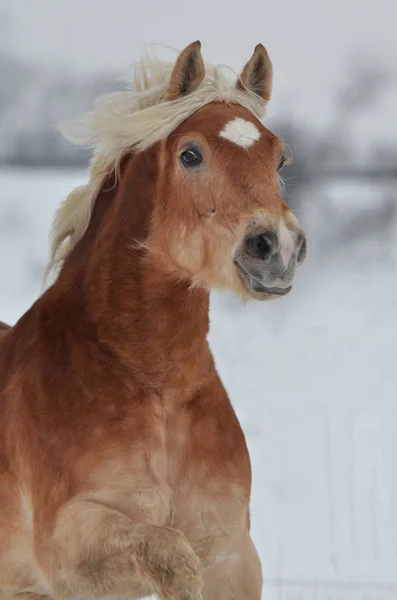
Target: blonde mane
(132, 121)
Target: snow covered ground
(313, 378)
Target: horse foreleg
(96, 551)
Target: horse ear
(188, 72)
(257, 75)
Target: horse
(123, 468)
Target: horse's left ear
(257, 75)
(188, 73)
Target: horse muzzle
(267, 260)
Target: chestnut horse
(123, 468)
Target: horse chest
(174, 447)
(190, 454)
(183, 466)
(193, 483)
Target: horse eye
(191, 157)
(281, 163)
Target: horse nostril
(259, 246)
(302, 248)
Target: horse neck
(118, 295)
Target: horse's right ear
(188, 73)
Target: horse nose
(261, 245)
(272, 245)
(268, 258)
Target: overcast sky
(311, 42)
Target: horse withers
(123, 468)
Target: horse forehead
(233, 128)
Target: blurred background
(313, 377)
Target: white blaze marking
(241, 132)
(287, 245)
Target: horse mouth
(256, 286)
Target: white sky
(311, 42)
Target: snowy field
(313, 378)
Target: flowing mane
(132, 121)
